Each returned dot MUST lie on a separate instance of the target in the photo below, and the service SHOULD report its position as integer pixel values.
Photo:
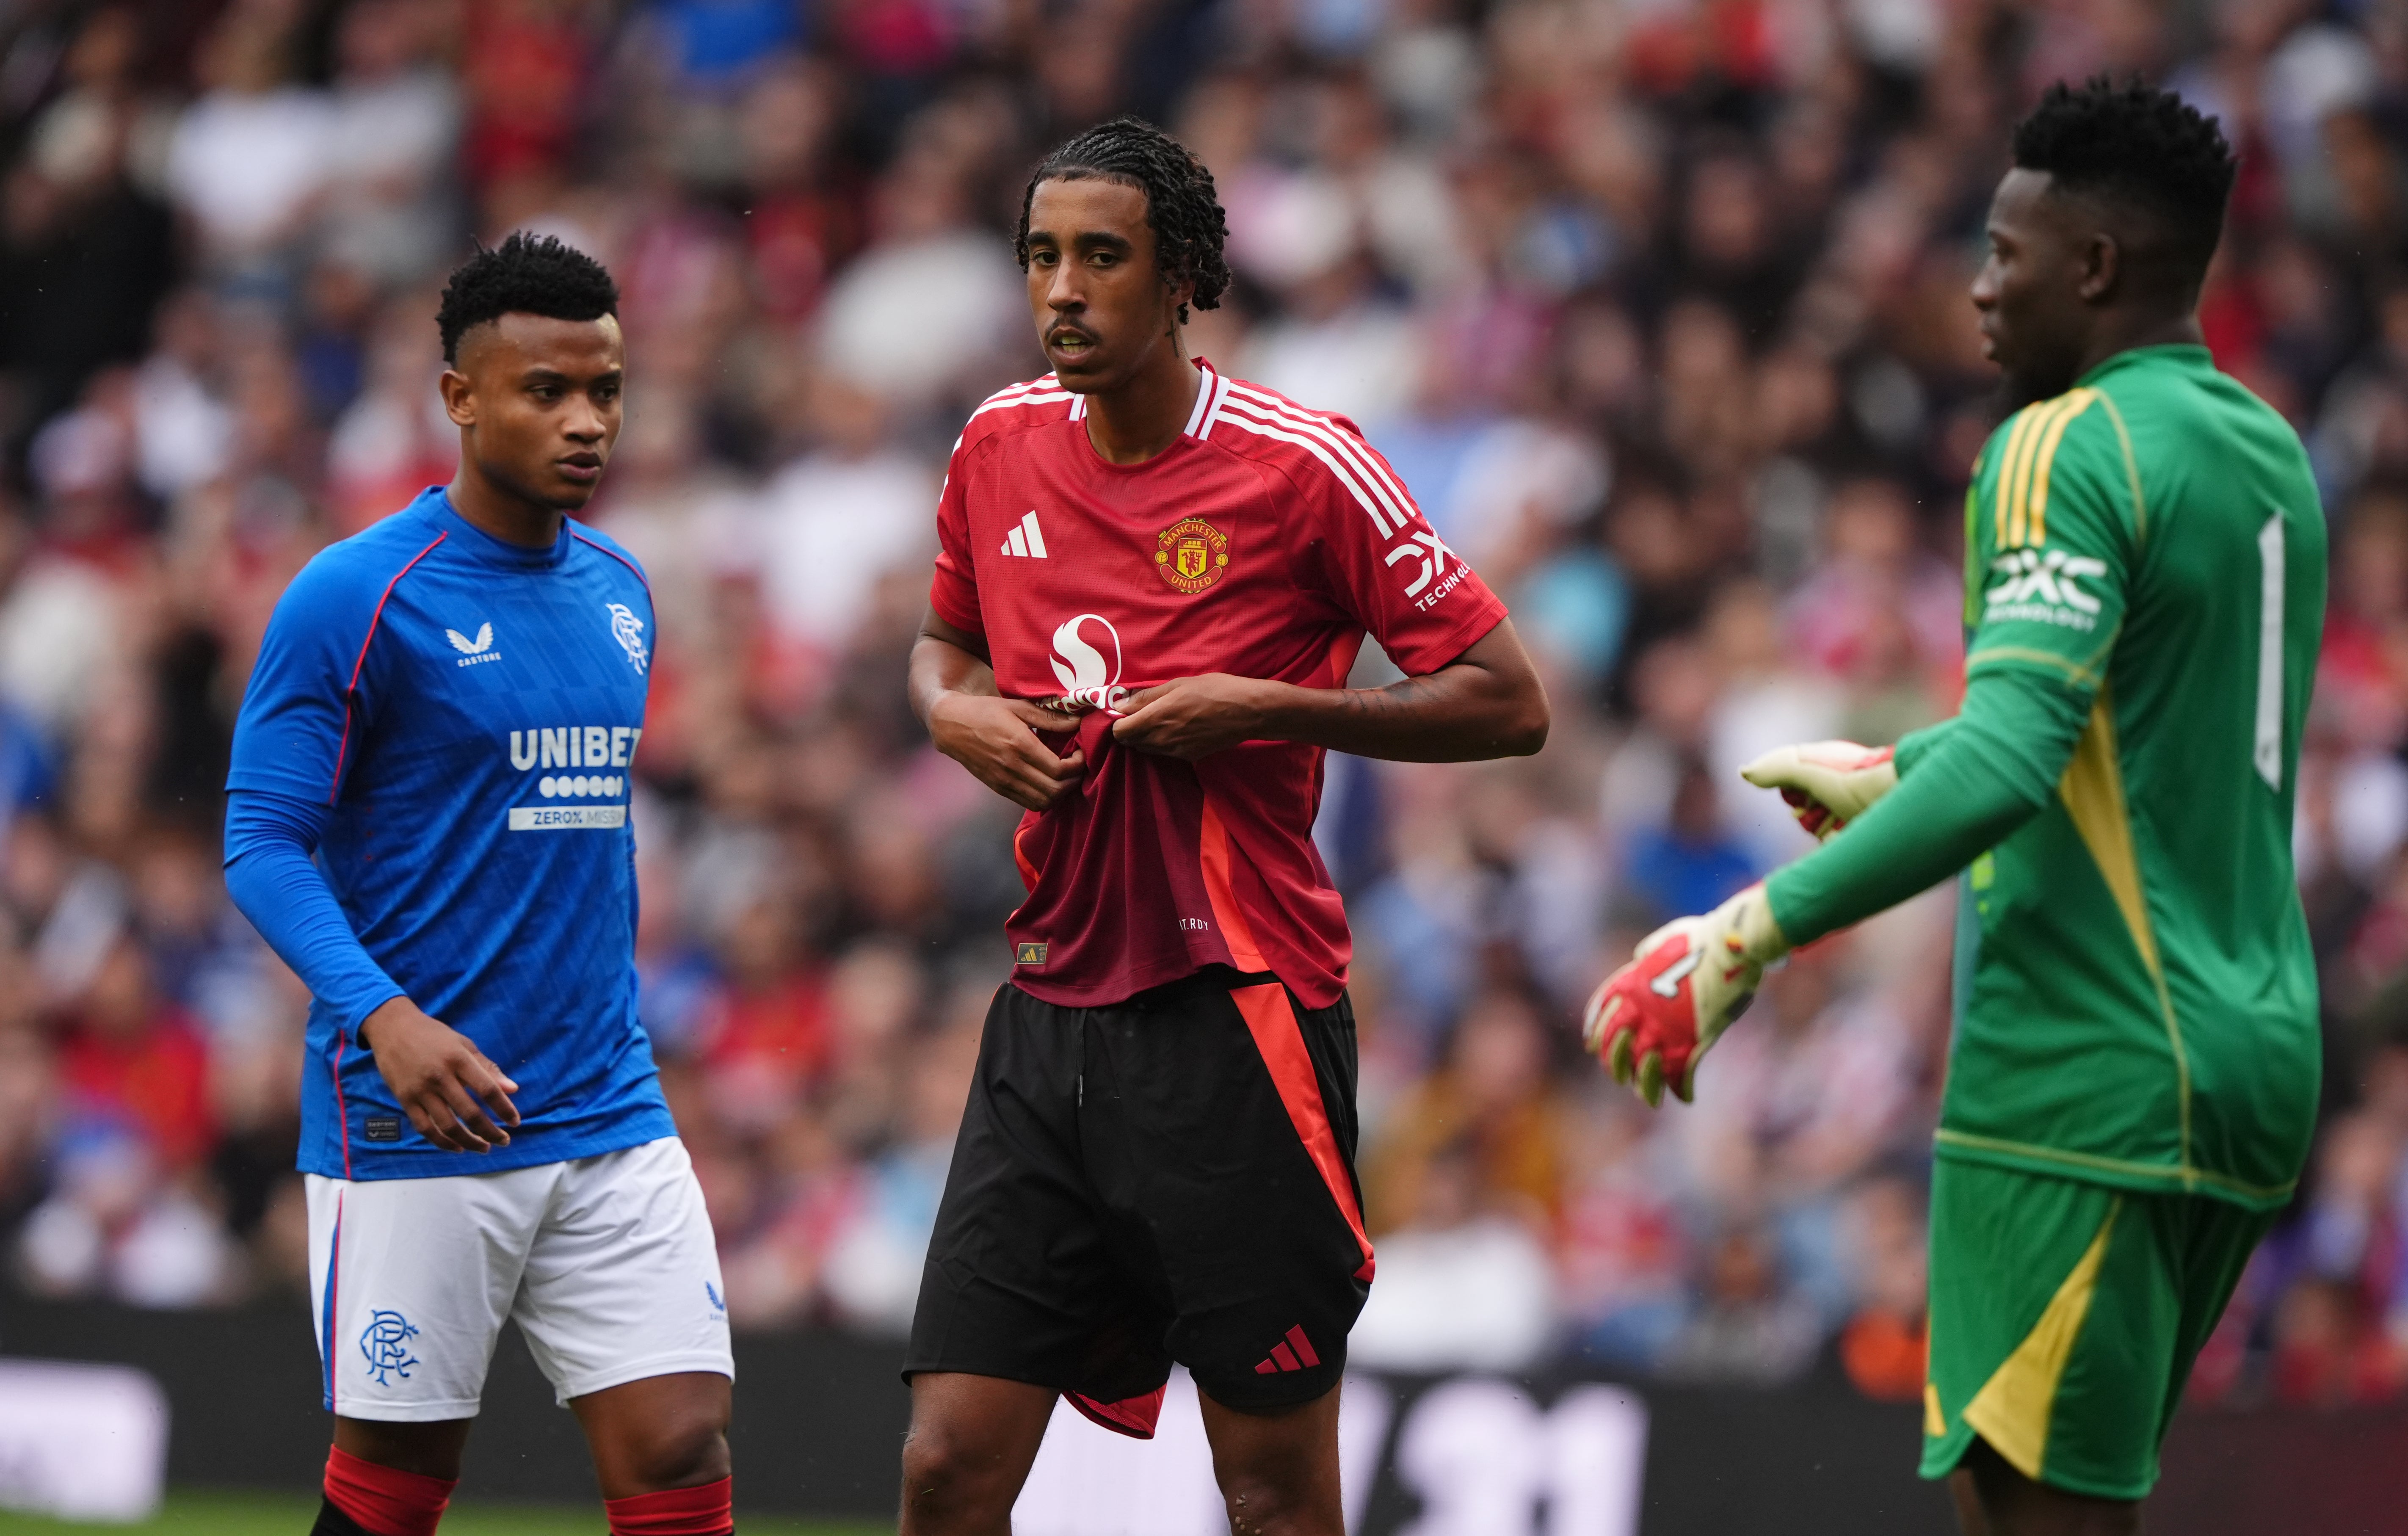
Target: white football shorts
(607, 1263)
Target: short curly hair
(2135, 145)
(526, 274)
(1180, 206)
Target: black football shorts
(1166, 1178)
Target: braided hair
(1179, 205)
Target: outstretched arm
(1963, 786)
(1485, 703)
(2048, 582)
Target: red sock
(385, 1500)
(706, 1511)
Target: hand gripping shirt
(2136, 1001)
(1265, 542)
(452, 717)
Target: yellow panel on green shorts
(2065, 1316)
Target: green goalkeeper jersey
(2136, 1002)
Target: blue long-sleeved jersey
(445, 721)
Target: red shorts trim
(1132, 1416)
(1271, 1019)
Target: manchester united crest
(1191, 553)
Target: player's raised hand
(1194, 717)
(444, 1083)
(1828, 783)
(995, 738)
(1652, 1020)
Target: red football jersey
(1263, 543)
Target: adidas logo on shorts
(1293, 1353)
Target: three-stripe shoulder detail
(1346, 457)
(1046, 391)
(2020, 500)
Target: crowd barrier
(820, 1417)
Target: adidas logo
(1293, 1353)
(1027, 539)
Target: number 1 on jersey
(2268, 754)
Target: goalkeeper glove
(1828, 783)
(1655, 1017)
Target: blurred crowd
(1658, 307)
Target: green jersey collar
(2180, 354)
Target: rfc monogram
(385, 1342)
(1191, 553)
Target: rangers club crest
(385, 1341)
(628, 630)
(1191, 553)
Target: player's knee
(1267, 1505)
(688, 1449)
(943, 1474)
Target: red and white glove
(1653, 1018)
(1828, 783)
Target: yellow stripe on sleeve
(2035, 515)
(2017, 509)
(2002, 495)
(1973, 549)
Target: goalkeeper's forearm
(1963, 786)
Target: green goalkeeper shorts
(2065, 1318)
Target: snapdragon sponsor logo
(589, 747)
(1079, 663)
